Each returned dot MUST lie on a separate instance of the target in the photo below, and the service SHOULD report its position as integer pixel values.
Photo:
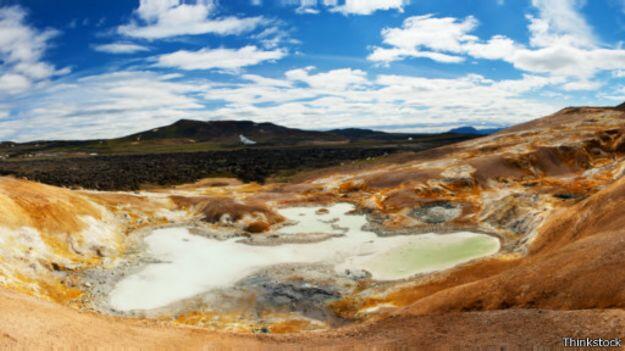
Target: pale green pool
(425, 253)
(188, 264)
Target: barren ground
(552, 191)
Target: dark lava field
(132, 172)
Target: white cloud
(566, 60)
(307, 10)
(275, 36)
(615, 93)
(389, 55)
(558, 20)
(158, 19)
(425, 104)
(497, 48)
(338, 79)
(104, 105)
(561, 44)
(346, 7)
(120, 48)
(266, 82)
(367, 7)
(581, 85)
(221, 58)
(426, 36)
(114, 104)
(411, 103)
(12, 82)
(21, 52)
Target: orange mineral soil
(552, 190)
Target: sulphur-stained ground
(29, 323)
(550, 190)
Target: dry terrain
(551, 190)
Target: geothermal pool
(190, 264)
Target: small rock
(322, 211)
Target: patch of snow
(245, 140)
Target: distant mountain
(229, 133)
(190, 135)
(468, 130)
(359, 134)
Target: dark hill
(358, 134)
(229, 132)
(194, 136)
(469, 130)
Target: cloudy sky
(77, 69)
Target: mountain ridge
(195, 135)
(474, 131)
(228, 131)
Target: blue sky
(76, 69)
